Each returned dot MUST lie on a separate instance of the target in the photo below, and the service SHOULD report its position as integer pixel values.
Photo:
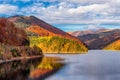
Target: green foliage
(15, 52)
(57, 45)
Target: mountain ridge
(85, 32)
(100, 40)
(40, 28)
(33, 21)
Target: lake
(96, 65)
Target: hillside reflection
(33, 69)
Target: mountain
(85, 32)
(39, 27)
(101, 39)
(35, 26)
(115, 45)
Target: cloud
(69, 11)
(7, 9)
(74, 1)
(88, 2)
(95, 8)
(24, 0)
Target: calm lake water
(96, 65)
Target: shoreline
(65, 52)
(20, 58)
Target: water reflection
(48, 66)
(96, 65)
(33, 69)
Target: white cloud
(67, 13)
(75, 1)
(95, 8)
(88, 1)
(70, 11)
(7, 9)
(23, 0)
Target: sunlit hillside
(57, 45)
(113, 46)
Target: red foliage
(11, 35)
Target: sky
(67, 14)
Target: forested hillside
(57, 45)
(14, 42)
(37, 27)
(11, 35)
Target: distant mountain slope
(115, 45)
(100, 40)
(36, 26)
(85, 32)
